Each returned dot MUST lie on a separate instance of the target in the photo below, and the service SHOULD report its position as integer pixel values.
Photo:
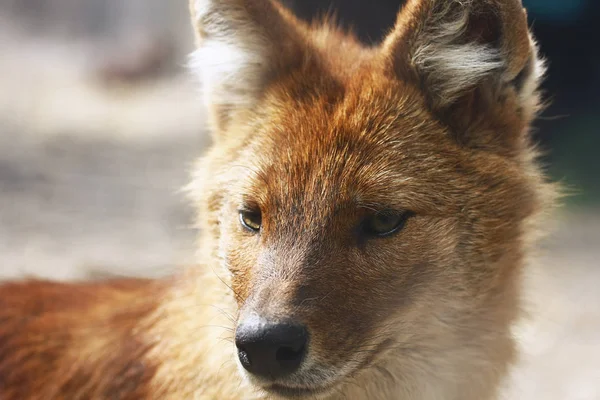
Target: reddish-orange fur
(74, 341)
(317, 132)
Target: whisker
(225, 313)
(222, 365)
(240, 384)
(229, 329)
(237, 296)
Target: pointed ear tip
(198, 8)
(193, 9)
(193, 6)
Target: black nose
(270, 350)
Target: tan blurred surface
(90, 177)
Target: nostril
(244, 358)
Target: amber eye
(251, 220)
(385, 223)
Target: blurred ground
(89, 171)
(89, 180)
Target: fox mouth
(317, 391)
(294, 392)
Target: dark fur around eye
(384, 223)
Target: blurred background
(100, 124)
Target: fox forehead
(372, 147)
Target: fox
(366, 217)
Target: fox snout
(271, 349)
(272, 334)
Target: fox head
(371, 205)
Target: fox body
(366, 215)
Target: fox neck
(472, 372)
(465, 356)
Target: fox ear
(473, 59)
(241, 46)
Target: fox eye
(251, 220)
(385, 223)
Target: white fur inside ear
(452, 67)
(229, 74)
(201, 7)
(232, 57)
(456, 68)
